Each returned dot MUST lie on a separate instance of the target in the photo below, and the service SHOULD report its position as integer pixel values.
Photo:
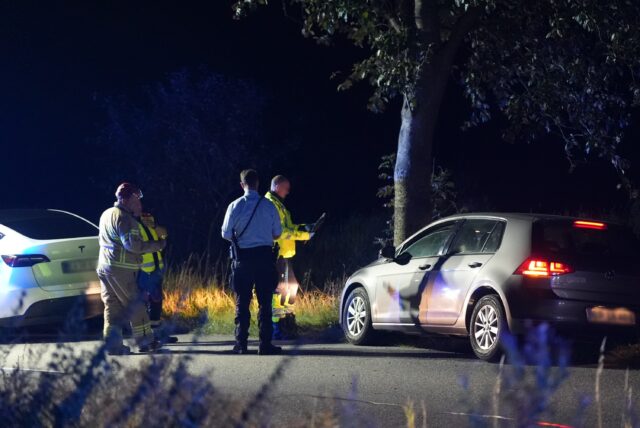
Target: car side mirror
(403, 258)
(388, 252)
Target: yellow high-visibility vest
(290, 232)
(150, 261)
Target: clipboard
(318, 224)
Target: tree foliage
(443, 194)
(565, 67)
(562, 67)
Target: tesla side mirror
(403, 259)
(388, 252)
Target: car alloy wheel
(487, 325)
(356, 316)
(486, 328)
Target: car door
(398, 287)
(471, 249)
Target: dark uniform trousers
(254, 266)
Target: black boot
(119, 350)
(151, 347)
(289, 326)
(162, 335)
(240, 349)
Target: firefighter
(151, 276)
(251, 224)
(121, 247)
(284, 321)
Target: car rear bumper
(568, 317)
(31, 306)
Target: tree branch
(427, 21)
(460, 30)
(417, 14)
(405, 12)
(285, 10)
(393, 22)
(430, 15)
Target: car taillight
(24, 260)
(581, 224)
(542, 268)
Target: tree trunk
(412, 175)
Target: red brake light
(541, 268)
(589, 225)
(557, 268)
(24, 260)
(534, 268)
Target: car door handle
(424, 267)
(475, 265)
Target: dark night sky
(61, 57)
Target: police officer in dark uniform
(251, 224)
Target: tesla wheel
(487, 325)
(356, 318)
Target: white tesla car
(48, 267)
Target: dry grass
(192, 299)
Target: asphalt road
(370, 386)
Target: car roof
(513, 216)
(530, 217)
(22, 214)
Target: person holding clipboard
(284, 321)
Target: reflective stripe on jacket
(121, 245)
(290, 232)
(150, 261)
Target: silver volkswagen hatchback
(479, 275)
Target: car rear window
(46, 225)
(494, 241)
(562, 237)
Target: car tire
(488, 324)
(356, 318)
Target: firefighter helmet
(126, 190)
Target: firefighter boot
(151, 347)
(122, 350)
(162, 334)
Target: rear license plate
(617, 316)
(79, 266)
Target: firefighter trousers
(123, 303)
